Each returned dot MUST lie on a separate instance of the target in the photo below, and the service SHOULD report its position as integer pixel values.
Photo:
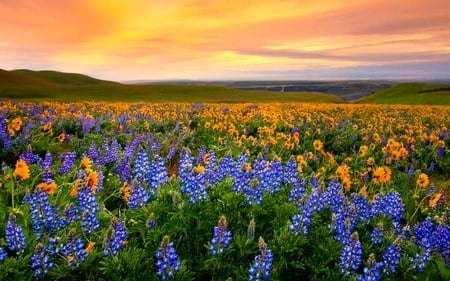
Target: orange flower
(200, 169)
(47, 187)
(363, 151)
(22, 169)
(423, 181)
(16, 124)
(363, 191)
(47, 126)
(92, 180)
(434, 201)
(125, 191)
(61, 137)
(381, 175)
(318, 145)
(86, 163)
(89, 247)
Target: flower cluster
(221, 237)
(167, 262)
(263, 263)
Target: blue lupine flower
(89, 207)
(351, 255)
(263, 263)
(167, 262)
(441, 239)
(410, 171)
(151, 221)
(211, 169)
(138, 196)
(290, 171)
(93, 152)
(297, 192)
(171, 153)
(112, 154)
(47, 168)
(274, 176)
(226, 166)
(361, 207)
(44, 215)
(3, 254)
(115, 240)
(15, 238)
(73, 250)
(221, 238)
(201, 156)
(142, 171)
(4, 133)
(185, 167)
(372, 271)
(40, 261)
(377, 235)
(391, 257)
(70, 214)
(159, 173)
(310, 205)
(419, 260)
(242, 178)
(29, 157)
(69, 159)
(334, 196)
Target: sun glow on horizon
(139, 39)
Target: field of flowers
(116, 191)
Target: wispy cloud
(138, 39)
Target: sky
(229, 39)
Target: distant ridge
(47, 78)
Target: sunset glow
(228, 39)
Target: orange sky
(207, 39)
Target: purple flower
(15, 238)
(221, 237)
(351, 255)
(263, 263)
(167, 263)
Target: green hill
(158, 94)
(63, 78)
(12, 79)
(411, 93)
(28, 85)
(46, 78)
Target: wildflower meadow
(139, 191)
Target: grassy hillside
(411, 93)
(46, 78)
(62, 78)
(28, 85)
(158, 93)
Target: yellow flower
(61, 137)
(434, 201)
(423, 181)
(86, 163)
(22, 169)
(47, 187)
(318, 145)
(89, 247)
(92, 180)
(125, 191)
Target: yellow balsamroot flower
(363, 151)
(22, 170)
(16, 124)
(318, 145)
(47, 187)
(422, 180)
(92, 181)
(86, 163)
(89, 247)
(434, 201)
(381, 175)
(61, 137)
(125, 191)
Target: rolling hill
(47, 78)
(411, 93)
(27, 85)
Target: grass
(411, 93)
(158, 94)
